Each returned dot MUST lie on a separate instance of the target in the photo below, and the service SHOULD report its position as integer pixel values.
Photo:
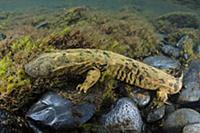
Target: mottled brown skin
(98, 63)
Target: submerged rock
(58, 113)
(180, 118)
(193, 128)
(191, 89)
(42, 25)
(124, 116)
(156, 114)
(2, 36)
(140, 97)
(171, 50)
(9, 123)
(162, 62)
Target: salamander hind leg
(91, 78)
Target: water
(148, 7)
(129, 27)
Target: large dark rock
(175, 122)
(162, 62)
(124, 116)
(10, 123)
(58, 113)
(191, 83)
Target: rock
(197, 49)
(124, 116)
(162, 62)
(182, 41)
(10, 123)
(156, 114)
(193, 128)
(2, 36)
(86, 110)
(180, 118)
(171, 50)
(175, 20)
(42, 25)
(140, 97)
(191, 84)
(58, 113)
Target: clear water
(148, 7)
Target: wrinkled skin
(98, 63)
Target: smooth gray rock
(58, 113)
(193, 128)
(175, 122)
(140, 97)
(162, 62)
(191, 84)
(156, 114)
(124, 116)
(170, 50)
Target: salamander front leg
(91, 78)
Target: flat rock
(193, 128)
(175, 121)
(162, 62)
(191, 83)
(124, 116)
(58, 113)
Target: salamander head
(40, 67)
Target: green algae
(125, 33)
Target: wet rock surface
(162, 62)
(58, 113)
(42, 25)
(140, 97)
(125, 116)
(156, 114)
(170, 50)
(193, 128)
(9, 123)
(180, 118)
(191, 89)
(2, 36)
